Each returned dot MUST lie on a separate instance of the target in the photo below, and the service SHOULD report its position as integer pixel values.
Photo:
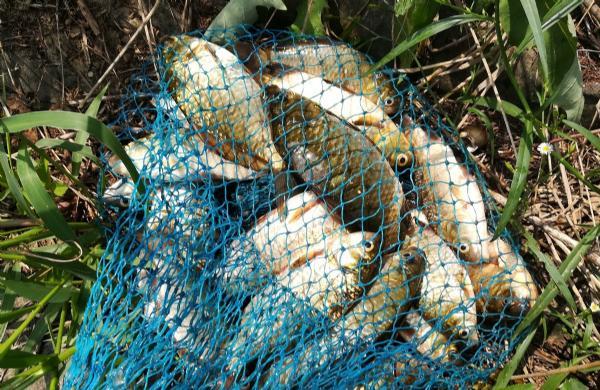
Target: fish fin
(281, 194)
(249, 55)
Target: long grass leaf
(6, 316)
(552, 270)
(20, 359)
(13, 184)
(427, 32)
(75, 121)
(519, 179)
(511, 366)
(7, 344)
(9, 298)
(565, 269)
(533, 17)
(37, 291)
(558, 11)
(82, 137)
(84, 151)
(41, 201)
(593, 138)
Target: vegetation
(49, 259)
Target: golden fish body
(326, 282)
(340, 164)
(523, 290)
(369, 117)
(447, 294)
(337, 63)
(387, 299)
(449, 195)
(214, 90)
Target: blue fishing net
(286, 233)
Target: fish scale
(215, 91)
(340, 163)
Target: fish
(173, 209)
(335, 62)
(222, 100)
(322, 282)
(447, 296)
(388, 298)
(340, 164)
(178, 158)
(523, 291)
(428, 341)
(448, 194)
(367, 116)
(272, 245)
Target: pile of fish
(344, 241)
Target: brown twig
(89, 17)
(121, 53)
(565, 370)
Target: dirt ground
(52, 53)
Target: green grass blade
(41, 201)
(7, 344)
(552, 270)
(82, 137)
(82, 150)
(535, 23)
(566, 269)
(427, 32)
(8, 298)
(594, 139)
(572, 170)
(558, 11)
(519, 179)
(20, 359)
(75, 121)
(37, 291)
(511, 366)
(6, 316)
(13, 184)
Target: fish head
(182, 48)
(358, 250)
(472, 251)
(460, 325)
(413, 260)
(389, 98)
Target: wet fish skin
(306, 224)
(214, 90)
(367, 116)
(429, 341)
(386, 300)
(523, 290)
(188, 158)
(337, 63)
(449, 194)
(341, 165)
(447, 295)
(324, 284)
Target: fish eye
(463, 334)
(463, 248)
(402, 160)
(369, 245)
(389, 101)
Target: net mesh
(302, 223)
